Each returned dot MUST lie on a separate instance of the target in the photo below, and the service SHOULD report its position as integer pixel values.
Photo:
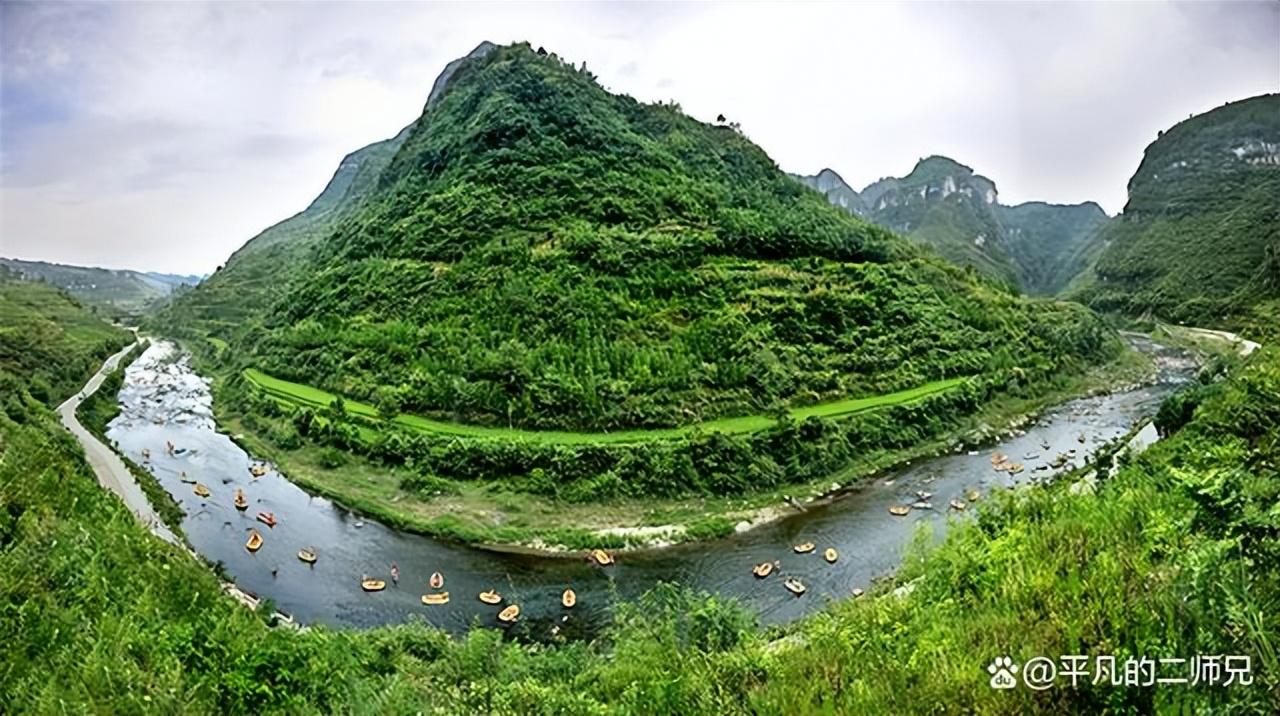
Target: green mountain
(1199, 239)
(944, 205)
(120, 291)
(543, 254)
(1050, 244)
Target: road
(1244, 345)
(110, 469)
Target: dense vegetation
(542, 254)
(943, 204)
(1173, 556)
(1199, 240)
(1050, 244)
(50, 338)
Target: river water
(164, 400)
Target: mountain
(1050, 244)
(1199, 239)
(946, 206)
(541, 253)
(839, 193)
(123, 291)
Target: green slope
(544, 254)
(51, 338)
(232, 300)
(296, 394)
(1050, 244)
(1199, 239)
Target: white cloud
(163, 136)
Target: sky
(162, 136)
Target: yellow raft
(241, 502)
(568, 599)
(601, 557)
(200, 490)
(373, 585)
(763, 569)
(490, 597)
(510, 614)
(831, 555)
(804, 548)
(795, 586)
(255, 541)
(438, 598)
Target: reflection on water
(164, 401)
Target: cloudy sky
(162, 136)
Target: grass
(484, 512)
(304, 395)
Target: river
(162, 399)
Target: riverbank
(110, 469)
(483, 514)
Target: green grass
(304, 395)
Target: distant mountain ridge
(948, 207)
(120, 289)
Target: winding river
(164, 400)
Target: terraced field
(294, 394)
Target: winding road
(112, 473)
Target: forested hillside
(231, 302)
(1199, 239)
(50, 338)
(1050, 244)
(541, 253)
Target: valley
(560, 401)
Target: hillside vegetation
(50, 338)
(542, 254)
(1167, 559)
(231, 301)
(1199, 239)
